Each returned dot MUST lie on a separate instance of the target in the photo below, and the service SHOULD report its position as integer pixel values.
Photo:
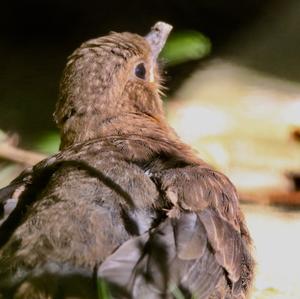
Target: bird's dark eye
(140, 71)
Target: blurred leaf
(184, 46)
(48, 143)
(103, 290)
(8, 171)
(2, 136)
(177, 293)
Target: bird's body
(124, 201)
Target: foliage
(183, 46)
(48, 143)
(103, 290)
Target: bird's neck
(92, 127)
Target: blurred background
(233, 72)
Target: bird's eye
(140, 71)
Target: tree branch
(12, 153)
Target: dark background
(37, 36)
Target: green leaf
(184, 46)
(48, 143)
(103, 290)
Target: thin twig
(12, 153)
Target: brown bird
(125, 205)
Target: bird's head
(108, 77)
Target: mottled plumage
(124, 201)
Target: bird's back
(118, 216)
(91, 204)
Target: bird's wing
(200, 250)
(177, 257)
(212, 196)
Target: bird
(125, 207)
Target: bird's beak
(157, 37)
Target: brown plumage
(124, 202)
